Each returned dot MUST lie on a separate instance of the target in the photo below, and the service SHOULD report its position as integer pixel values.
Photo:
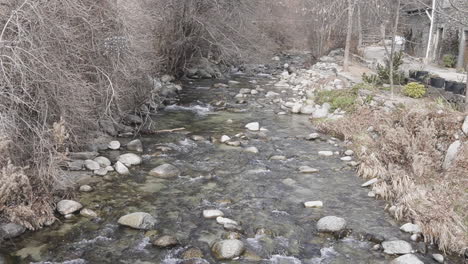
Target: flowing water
(261, 193)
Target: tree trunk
(359, 27)
(351, 4)
(392, 52)
(427, 59)
(466, 90)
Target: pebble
(88, 213)
(251, 150)
(138, 220)
(307, 169)
(398, 247)
(349, 152)
(165, 242)
(121, 169)
(407, 259)
(224, 139)
(347, 158)
(66, 207)
(103, 161)
(222, 221)
(438, 257)
(415, 237)
(370, 182)
(192, 253)
(86, 188)
(254, 126)
(313, 136)
(411, 228)
(325, 153)
(212, 213)
(101, 172)
(92, 165)
(130, 159)
(114, 145)
(135, 145)
(371, 194)
(278, 157)
(313, 204)
(228, 249)
(331, 224)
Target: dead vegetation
(405, 150)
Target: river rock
(135, 145)
(66, 207)
(82, 155)
(130, 159)
(232, 82)
(398, 247)
(103, 161)
(138, 220)
(349, 152)
(212, 213)
(307, 169)
(165, 242)
(165, 171)
(254, 126)
(407, 259)
(452, 153)
(313, 136)
(313, 204)
(86, 188)
(438, 257)
(121, 169)
(251, 150)
(320, 113)
(101, 172)
(114, 145)
(296, 108)
(88, 213)
(224, 139)
(228, 249)
(325, 153)
(411, 228)
(370, 182)
(11, 230)
(197, 138)
(76, 165)
(222, 221)
(307, 109)
(192, 253)
(278, 157)
(245, 91)
(331, 224)
(233, 143)
(346, 158)
(232, 227)
(465, 126)
(92, 165)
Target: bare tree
(351, 5)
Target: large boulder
(165, 171)
(11, 230)
(331, 224)
(130, 159)
(407, 259)
(138, 220)
(398, 247)
(227, 249)
(66, 207)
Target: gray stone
(108, 127)
(307, 169)
(86, 188)
(66, 207)
(121, 169)
(130, 159)
(101, 172)
(228, 249)
(82, 155)
(212, 213)
(325, 153)
(313, 136)
(320, 113)
(254, 126)
(76, 165)
(307, 109)
(251, 150)
(11, 230)
(398, 247)
(133, 120)
(349, 152)
(452, 153)
(103, 161)
(438, 257)
(165, 242)
(411, 228)
(224, 139)
(407, 259)
(331, 224)
(165, 171)
(465, 126)
(313, 204)
(370, 182)
(138, 220)
(88, 213)
(192, 253)
(92, 165)
(114, 145)
(135, 145)
(223, 220)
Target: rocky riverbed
(246, 181)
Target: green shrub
(383, 72)
(449, 60)
(344, 99)
(414, 90)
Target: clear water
(249, 188)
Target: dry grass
(406, 152)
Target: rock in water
(114, 145)
(213, 213)
(92, 165)
(192, 253)
(407, 259)
(325, 153)
(254, 126)
(121, 169)
(313, 136)
(135, 145)
(11, 230)
(66, 207)
(166, 242)
(398, 247)
(138, 220)
(307, 169)
(331, 224)
(228, 249)
(165, 171)
(225, 139)
(130, 159)
(313, 204)
(438, 257)
(223, 221)
(88, 213)
(251, 150)
(411, 228)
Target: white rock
(278, 157)
(92, 165)
(414, 237)
(121, 169)
(307, 169)
(101, 172)
(325, 153)
(371, 194)
(253, 92)
(245, 91)
(465, 126)
(88, 213)
(271, 94)
(222, 221)
(130, 159)
(313, 136)
(254, 126)
(296, 108)
(349, 152)
(307, 109)
(347, 158)
(103, 161)
(398, 247)
(86, 188)
(407, 259)
(452, 153)
(313, 204)
(114, 145)
(138, 220)
(225, 139)
(411, 228)
(66, 207)
(438, 257)
(110, 168)
(228, 249)
(251, 149)
(212, 213)
(331, 224)
(276, 58)
(370, 182)
(232, 82)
